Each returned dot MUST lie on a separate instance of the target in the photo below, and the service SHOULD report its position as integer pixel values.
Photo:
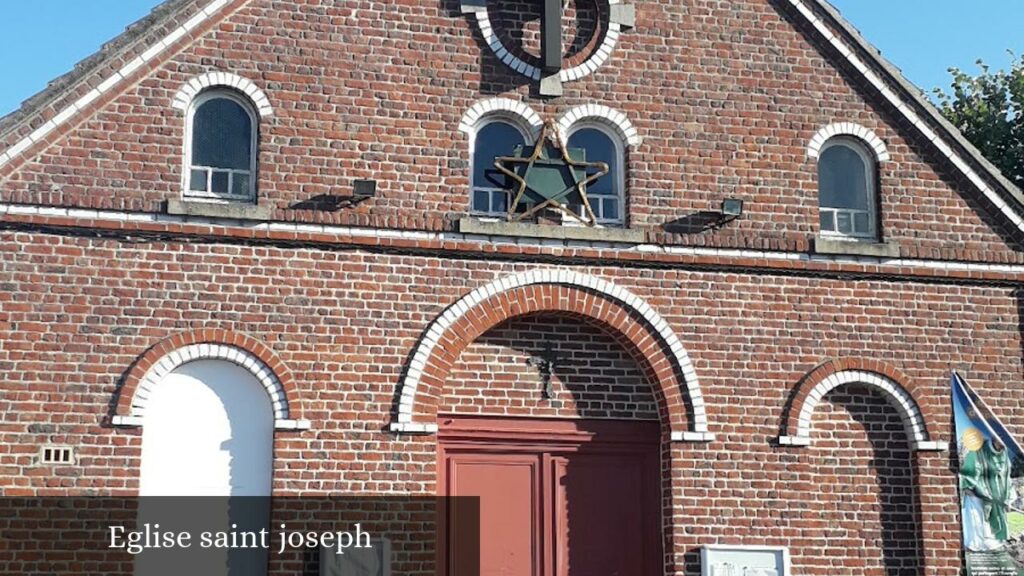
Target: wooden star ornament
(549, 176)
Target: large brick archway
(622, 314)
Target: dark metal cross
(546, 364)
(551, 36)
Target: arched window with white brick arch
(847, 196)
(607, 196)
(848, 157)
(222, 126)
(605, 135)
(220, 147)
(494, 137)
(495, 128)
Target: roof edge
(151, 48)
(64, 84)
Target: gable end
(909, 102)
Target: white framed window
(220, 147)
(847, 196)
(495, 136)
(607, 196)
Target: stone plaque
(744, 561)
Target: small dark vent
(57, 455)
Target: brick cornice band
(240, 349)
(878, 375)
(962, 267)
(624, 315)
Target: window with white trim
(846, 189)
(220, 147)
(607, 194)
(494, 137)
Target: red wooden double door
(556, 498)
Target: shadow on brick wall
(893, 520)
(495, 77)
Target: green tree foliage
(989, 110)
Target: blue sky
(924, 38)
(42, 39)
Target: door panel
(508, 488)
(557, 498)
(599, 514)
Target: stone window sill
(234, 210)
(528, 230)
(851, 247)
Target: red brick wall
(868, 518)
(76, 312)
(726, 96)
(593, 377)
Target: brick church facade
(347, 259)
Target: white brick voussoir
(898, 397)
(610, 117)
(244, 86)
(193, 352)
(517, 111)
(865, 135)
(405, 422)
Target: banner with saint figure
(991, 487)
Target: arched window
(846, 189)
(607, 194)
(220, 149)
(494, 138)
